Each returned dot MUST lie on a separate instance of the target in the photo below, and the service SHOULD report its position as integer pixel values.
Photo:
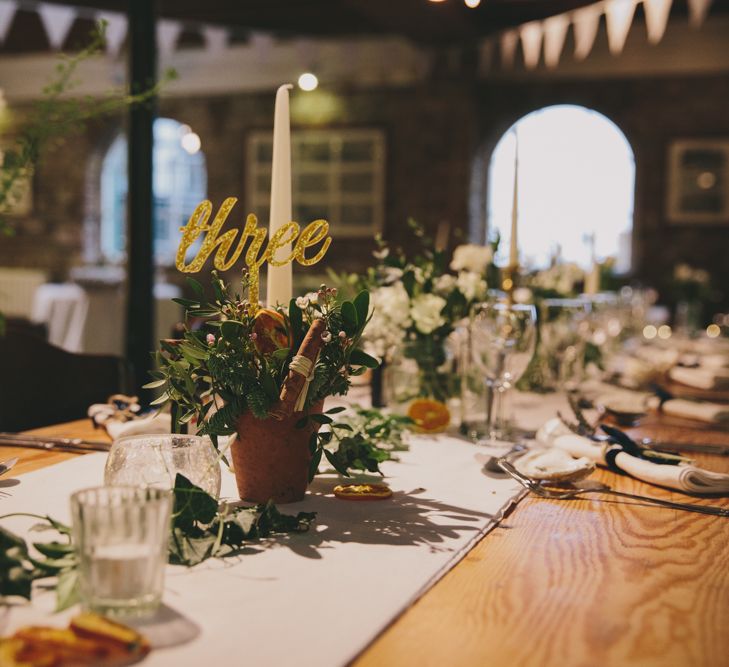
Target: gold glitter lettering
(310, 236)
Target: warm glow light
(191, 142)
(308, 81)
(649, 332)
(472, 3)
(664, 332)
(713, 331)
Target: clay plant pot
(271, 458)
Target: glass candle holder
(155, 460)
(121, 536)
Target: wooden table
(580, 583)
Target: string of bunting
(548, 36)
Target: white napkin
(712, 413)
(159, 422)
(701, 378)
(709, 361)
(687, 478)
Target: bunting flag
(57, 21)
(7, 12)
(698, 9)
(619, 17)
(531, 43)
(216, 39)
(555, 33)
(167, 35)
(656, 18)
(509, 43)
(116, 31)
(586, 21)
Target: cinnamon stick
(294, 382)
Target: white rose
(390, 318)
(522, 295)
(444, 284)
(471, 257)
(425, 310)
(471, 285)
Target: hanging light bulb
(308, 81)
(472, 3)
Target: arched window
(576, 178)
(180, 184)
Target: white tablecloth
(311, 599)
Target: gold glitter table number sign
(251, 236)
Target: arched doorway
(576, 181)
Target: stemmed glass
(563, 331)
(503, 338)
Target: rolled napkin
(710, 361)
(120, 416)
(711, 413)
(700, 378)
(686, 478)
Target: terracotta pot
(271, 458)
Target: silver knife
(49, 443)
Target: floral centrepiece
(231, 373)
(417, 303)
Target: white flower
(425, 310)
(444, 284)
(471, 285)
(326, 336)
(391, 275)
(419, 275)
(390, 318)
(302, 302)
(471, 257)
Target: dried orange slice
(362, 491)
(429, 415)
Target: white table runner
(312, 599)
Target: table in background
(593, 582)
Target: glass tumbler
(121, 535)
(155, 460)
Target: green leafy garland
(201, 529)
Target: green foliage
(56, 116)
(200, 530)
(236, 363)
(19, 568)
(360, 440)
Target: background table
(600, 581)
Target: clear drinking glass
(121, 535)
(155, 460)
(503, 338)
(563, 331)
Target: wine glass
(563, 331)
(503, 338)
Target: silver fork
(598, 487)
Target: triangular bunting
(167, 34)
(586, 21)
(698, 9)
(116, 31)
(555, 33)
(531, 43)
(216, 39)
(7, 12)
(57, 21)
(656, 18)
(619, 16)
(509, 41)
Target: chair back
(41, 384)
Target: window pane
(358, 182)
(358, 151)
(316, 182)
(264, 151)
(313, 151)
(305, 213)
(357, 214)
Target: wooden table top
(595, 582)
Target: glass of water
(121, 536)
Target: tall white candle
(279, 284)
(514, 248)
